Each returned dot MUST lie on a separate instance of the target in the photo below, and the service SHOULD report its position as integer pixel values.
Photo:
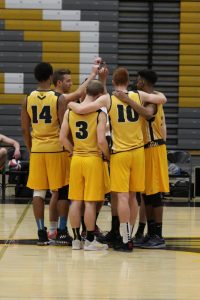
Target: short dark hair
(94, 88)
(43, 71)
(149, 75)
(59, 74)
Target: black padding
(63, 193)
(156, 200)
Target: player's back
(84, 133)
(126, 128)
(42, 108)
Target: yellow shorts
(86, 180)
(127, 171)
(48, 170)
(106, 177)
(156, 170)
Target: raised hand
(95, 69)
(103, 73)
(98, 60)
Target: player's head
(120, 77)
(62, 80)
(95, 89)
(146, 77)
(43, 72)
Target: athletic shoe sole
(161, 246)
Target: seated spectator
(3, 151)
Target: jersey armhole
(138, 94)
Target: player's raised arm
(78, 93)
(103, 75)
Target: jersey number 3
(82, 132)
(44, 115)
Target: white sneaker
(77, 245)
(94, 246)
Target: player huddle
(72, 161)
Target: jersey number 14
(45, 114)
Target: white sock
(125, 232)
(53, 226)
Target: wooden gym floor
(31, 272)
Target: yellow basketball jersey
(152, 128)
(42, 109)
(126, 127)
(84, 133)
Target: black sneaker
(97, 231)
(155, 242)
(63, 238)
(110, 238)
(43, 238)
(120, 246)
(140, 241)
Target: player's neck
(44, 86)
(148, 89)
(122, 88)
(58, 90)
(88, 99)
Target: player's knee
(63, 193)
(3, 152)
(157, 200)
(39, 193)
(147, 199)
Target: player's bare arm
(146, 112)
(101, 136)
(64, 134)
(78, 93)
(26, 124)
(156, 97)
(103, 75)
(85, 108)
(13, 143)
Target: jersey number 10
(131, 114)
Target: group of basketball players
(72, 161)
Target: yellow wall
(189, 63)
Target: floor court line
(12, 234)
